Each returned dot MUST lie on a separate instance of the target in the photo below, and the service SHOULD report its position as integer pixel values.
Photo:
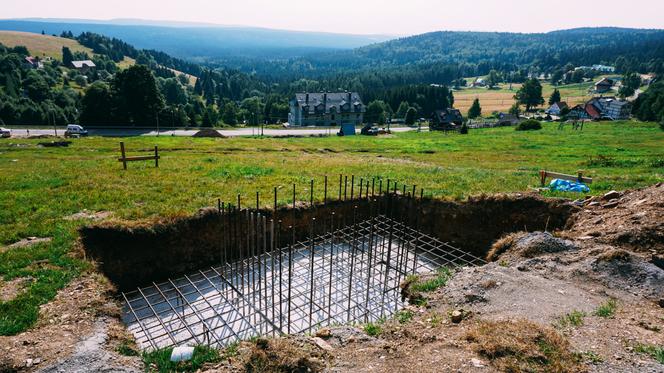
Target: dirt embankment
(132, 255)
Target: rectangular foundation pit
(348, 275)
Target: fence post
(156, 156)
(122, 151)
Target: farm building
(326, 109)
(604, 85)
(508, 119)
(556, 108)
(83, 66)
(608, 108)
(33, 62)
(446, 118)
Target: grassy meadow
(42, 45)
(39, 186)
(501, 98)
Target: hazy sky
(401, 17)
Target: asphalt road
(23, 132)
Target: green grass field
(39, 186)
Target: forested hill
(642, 50)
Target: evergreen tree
(67, 56)
(555, 97)
(475, 109)
(530, 94)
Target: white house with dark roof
(326, 109)
(83, 66)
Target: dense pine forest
(392, 77)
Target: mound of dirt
(208, 132)
(528, 245)
(619, 269)
(631, 219)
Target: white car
(74, 130)
(5, 132)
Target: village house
(612, 108)
(326, 109)
(557, 108)
(33, 63)
(604, 85)
(479, 82)
(602, 108)
(83, 66)
(446, 119)
(578, 112)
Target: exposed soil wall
(133, 255)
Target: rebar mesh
(348, 275)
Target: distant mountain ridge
(201, 41)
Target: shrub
(528, 125)
(661, 124)
(464, 129)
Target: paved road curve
(23, 132)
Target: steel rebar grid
(207, 306)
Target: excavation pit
(351, 274)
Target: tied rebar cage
(340, 272)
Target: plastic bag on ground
(568, 186)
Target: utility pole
(55, 127)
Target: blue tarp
(568, 186)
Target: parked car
(74, 130)
(369, 130)
(4, 132)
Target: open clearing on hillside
(501, 98)
(41, 45)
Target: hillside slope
(41, 45)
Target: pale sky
(403, 17)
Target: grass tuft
(607, 309)
(522, 346)
(373, 329)
(160, 360)
(404, 316)
(656, 352)
(572, 319)
(443, 275)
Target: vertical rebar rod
(325, 192)
(281, 279)
(311, 271)
(373, 184)
(290, 275)
(352, 186)
(352, 259)
(361, 187)
(345, 186)
(272, 267)
(329, 293)
(275, 202)
(293, 195)
(341, 177)
(311, 193)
